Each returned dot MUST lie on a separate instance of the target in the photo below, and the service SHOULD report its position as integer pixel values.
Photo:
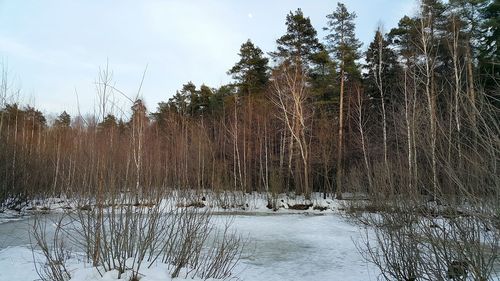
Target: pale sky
(53, 48)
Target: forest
(418, 111)
(410, 123)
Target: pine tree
(344, 45)
(342, 41)
(433, 23)
(34, 118)
(322, 78)
(470, 12)
(491, 30)
(139, 113)
(402, 38)
(182, 101)
(109, 122)
(204, 96)
(489, 56)
(251, 72)
(63, 120)
(386, 66)
(300, 43)
(218, 99)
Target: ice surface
(300, 247)
(282, 247)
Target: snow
(303, 247)
(282, 246)
(16, 264)
(238, 202)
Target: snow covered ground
(283, 247)
(238, 202)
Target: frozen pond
(299, 247)
(282, 247)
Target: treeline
(419, 114)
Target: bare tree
(426, 47)
(290, 96)
(361, 122)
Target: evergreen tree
(432, 13)
(34, 118)
(403, 38)
(301, 47)
(188, 101)
(433, 10)
(491, 30)
(471, 12)
(182, 101)
(109, 122)
(251, 72)
(381, 61)
(489, 57)
(300, 42)
(204, 96)
(344, 45)
(63, 120)
(139, 117)
(342, 41)
(219, 97)
(323, 87)
(161, 115)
